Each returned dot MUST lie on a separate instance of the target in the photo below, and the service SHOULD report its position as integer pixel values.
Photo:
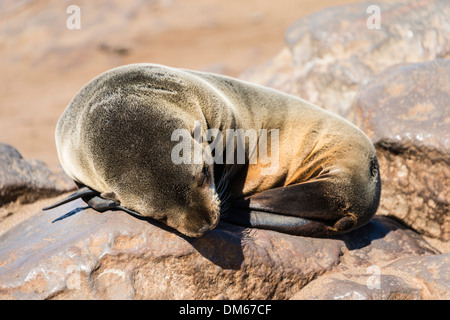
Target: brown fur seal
(116, 139)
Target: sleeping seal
(116, 141)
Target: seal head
(115, 138)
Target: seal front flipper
(315, 208)
(281, 223)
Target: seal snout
(205, 228)
(203, 225)
(193, 221)
(210, 221)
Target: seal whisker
(225, 204)
(221, 181)
(226, 197)
(224, 188)
(224, 211)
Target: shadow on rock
(222, 246)
(376, 229)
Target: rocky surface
(404, 110)
(28, 180)
(410, 278)
(111, 255)
(331, 58)
(331, 53)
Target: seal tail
(82, 192)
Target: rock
(411, 278)
(404, 110)
(27, 181)
(329, 54)
(111, 255)
(397, 264)
(381, 242)
(107, 255)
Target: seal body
(116, 137)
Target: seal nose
(209, 223)
(205, 228)
(196, 232)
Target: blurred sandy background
(43, 64)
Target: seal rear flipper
(100, 204)
(94, 200)
(80, 193)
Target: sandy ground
(43, 64)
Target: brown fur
(115, 137)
